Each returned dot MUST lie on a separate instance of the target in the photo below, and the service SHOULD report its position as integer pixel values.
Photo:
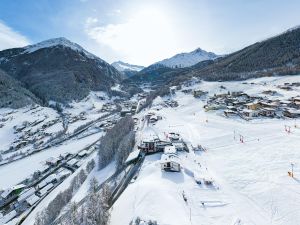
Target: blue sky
(143, 32)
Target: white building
(170, 162)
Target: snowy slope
(122, 66)
(55, 42)
(251, 182)
(188, 59)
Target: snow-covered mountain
(58, 70)
(188, 59)
(61, 41)
(122, 66)
(128, 70)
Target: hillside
(59, 70)
(278, 55)
(13, 94)
(127, 69)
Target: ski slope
(251, 185)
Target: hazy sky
(143, 32)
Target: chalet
(12, 191)
(252, 105)
(296, 101)
(249, 113)
(153, 145)
(269, 112)
(228, 112)
(148, 146)
(199, 93)
(269, 104)
(291, 113)
(52, 161)
(170, 162)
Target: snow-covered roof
(132, 156)
(50, 178)
(8, 217)
(72, 162)
(52, 160)
(169, 158)
(170, 149)
(82, 153)
(6, 192)
(32, 200)
(25, 194)
(45, 189)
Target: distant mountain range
(62, 71)
(188, 59)
(279, 55)
(58, 70)
(127, 69)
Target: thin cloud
(10, 38)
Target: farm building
(250, 113)
(170, 162)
